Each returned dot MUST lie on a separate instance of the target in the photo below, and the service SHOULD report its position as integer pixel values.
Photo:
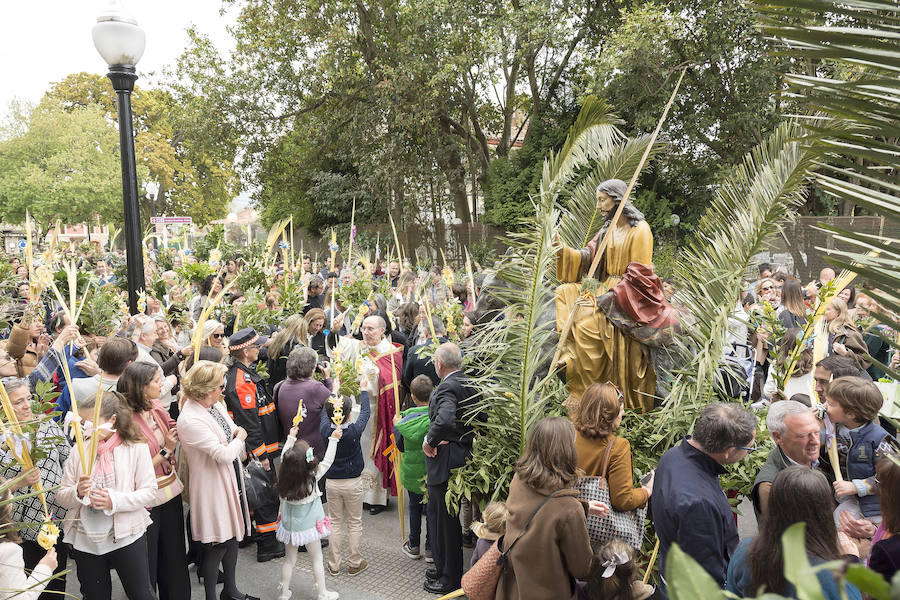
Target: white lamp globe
(117, 36)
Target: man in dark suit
(420, 363)
(447, 445)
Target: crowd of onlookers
(199, 452)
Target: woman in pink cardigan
(106, 522)
(213, 445)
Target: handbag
(627, 526)
(259, 486)
(169, 485)
(480, 582)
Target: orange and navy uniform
(251, 407)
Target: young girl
(490, 528)
(107, 519)
(614, 576)
(302, 520)
(13, 580)
(853, 404)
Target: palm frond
(763, 190)
(860, 101)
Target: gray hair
(140, 325)
(301, 362)
(724, 425)
(781, 409)
(315, 281)
(449, 355)
(13, 383)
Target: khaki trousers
(344, 503)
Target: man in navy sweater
(688, 504)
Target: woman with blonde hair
(293, 334)
(596, 420)
(213, 334)
(214, 445)
(315, 330)
(843, 336)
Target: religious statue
(614, 328)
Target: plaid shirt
(52, 441)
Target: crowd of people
(212, 436)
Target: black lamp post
(120, 42)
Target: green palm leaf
(860, 101)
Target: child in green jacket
(410, 428)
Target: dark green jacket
(410, 433)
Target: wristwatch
(163, 452)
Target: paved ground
(390, 576)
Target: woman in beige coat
(213, 445)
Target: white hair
(781, 409)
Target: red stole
(384, 412)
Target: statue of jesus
(609, 343)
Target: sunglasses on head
(618, 391)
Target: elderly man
(381, 362)
(48, 470)
(796, 433)
(447, 445)
(688, 505)
(316, 295)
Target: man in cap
(250, 406)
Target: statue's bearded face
(605, 202)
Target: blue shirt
(690, 509)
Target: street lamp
(120, 42)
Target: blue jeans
(416, 511)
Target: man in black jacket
(688, 504)
(447, 445)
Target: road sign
(171, 220)
(22, 244)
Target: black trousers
(33, 553)
(165, 547)
(129, 562)
(446, 545)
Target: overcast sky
(42, 41)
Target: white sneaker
(328, 595)
(285, 593)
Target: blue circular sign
(22, 244)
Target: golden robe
(596, 351)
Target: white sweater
(12, 575)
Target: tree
(195, 176)
(61, 164)
(420, 96)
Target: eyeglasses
(767, 289)
(218, 336)
(749, 449)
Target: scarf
(104, 475)
(159, 414)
